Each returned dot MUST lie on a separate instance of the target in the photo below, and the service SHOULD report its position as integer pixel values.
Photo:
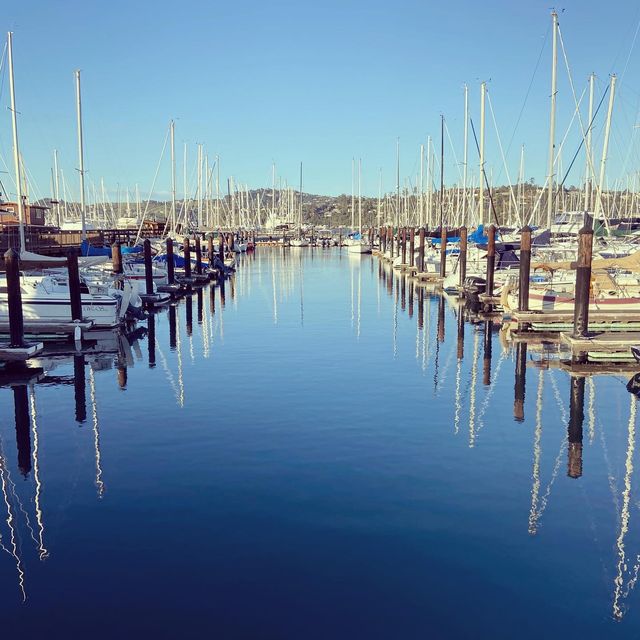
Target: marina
(422, 454)
(243, 398)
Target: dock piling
(412, 246)
(443, 251)
(491, 258)
(116, 258)
(170, 264)
(583, 283)
(74, 284)
(14, 299)
(525, 269)
(198, 256)
(462, 258)
(148, 266)
(187, 258)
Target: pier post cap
(526, 229)
(11, 254)
(73, 251)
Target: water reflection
(480, 420)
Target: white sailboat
(359, 244)
(299, 241)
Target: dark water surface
(308, 461)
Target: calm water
(307, 461)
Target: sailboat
(358, 244)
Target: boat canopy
(630, 262)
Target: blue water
(306, 461)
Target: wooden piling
(170, 264)
(14, 299)
(187, 258)
(421, 250)
(74, 284)
(491, 258)
(412, 246)
(116, 258)
(210, 250)
(583, 283)
(221, 245)
(383, 240)
(524, 269)
(462, 257)
(198, 256)
(443, 251)
(148, 266)
(403, 244)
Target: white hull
(102, 310)
(359, 248)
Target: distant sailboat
(358, 243)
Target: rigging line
(526, 97)
(504, 160)
(484, 175)
(153, 184)
(453, 151)
(573, 92)
(575, 155)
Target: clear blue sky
(319, 82)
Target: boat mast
(173, 176)
(552, 124)
(353, 192)
(300, 207)
(421, 187)
(80, 156)
(483, 92)
(380, 198)
(360, 197)
(199, 186)
(56, 184)
(217, 190)
(429, 183)
(589, 164)
(465, 154)
(441, 172)
(398, 180)
(16, 148)
(605, 148)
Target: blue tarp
(136, 249)
(88, 250)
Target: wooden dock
(607, 343)
(19, 354)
